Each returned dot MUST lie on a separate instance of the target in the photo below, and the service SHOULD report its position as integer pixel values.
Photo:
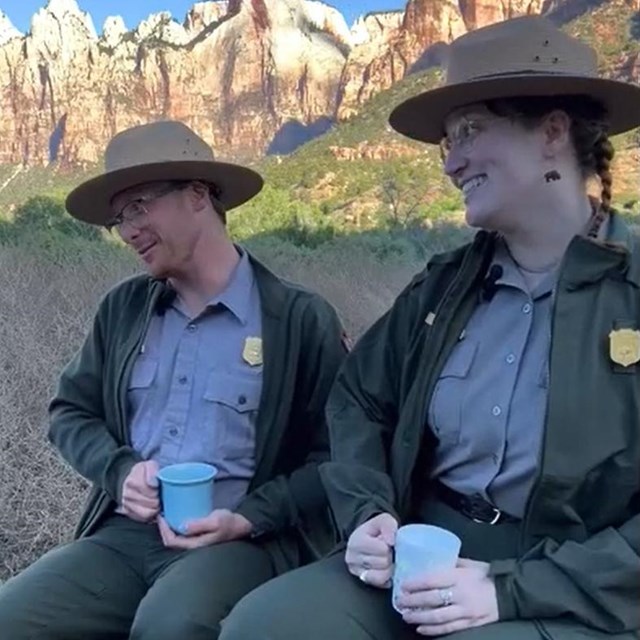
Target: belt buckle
(479, 507)
(497, 514)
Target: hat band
(524, 72)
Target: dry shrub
(45, 309)
(360, 287)
(46, 306)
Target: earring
(552, 176)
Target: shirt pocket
(143, 373)
(445, 410)
(233, 400)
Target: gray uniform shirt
(488, 406)
(192, 396)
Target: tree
(404, 192)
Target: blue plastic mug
(186, 492)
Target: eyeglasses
(462, 135)
(133, 213)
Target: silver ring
(446, 597)
(363, 576)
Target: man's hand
(450, 601)
(220, 525)
(140, 498)
(369, 550)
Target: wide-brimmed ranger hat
(159, 151)
(526, 56)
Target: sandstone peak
(328, 19)
(202, 14)
(7, 30)
(162, 26)
(61, 7)
(113, 30)
(375, 26)
(66, 14)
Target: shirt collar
(512, 277)
(237, 294)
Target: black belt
(474, 507)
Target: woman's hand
(369, 553)
(450, 601)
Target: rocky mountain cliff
(237, 71)
(251, 76)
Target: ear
(198, 195)
(556, 132)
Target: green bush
(45, 218)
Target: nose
(128, 232)
(455, 162)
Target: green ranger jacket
(303, 347)
(579, 552)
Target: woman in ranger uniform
(500, 395)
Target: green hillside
(314, 174)
(362, 175)
(388, 173)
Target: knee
(15, 621)
(239, 625)
(171, 626)
(261, 616)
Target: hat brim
(91, 200)
(422, 117)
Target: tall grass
(47, 301)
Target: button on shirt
(488, 406)
(193, 396)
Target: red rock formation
(237, 80)
(479, 13)
(376, 65)
(238, 71)
(371, 151)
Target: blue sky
(133, 11)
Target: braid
(594, 153)
(604, 153)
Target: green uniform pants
(324, 602)
(121, 582)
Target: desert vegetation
(53, 273)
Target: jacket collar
(587, 261)
(273, 291)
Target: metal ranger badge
(252, 352)
(624, 346)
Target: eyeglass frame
(475, 126)
(121, 217)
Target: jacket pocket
(233, 401)
(445, 408)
